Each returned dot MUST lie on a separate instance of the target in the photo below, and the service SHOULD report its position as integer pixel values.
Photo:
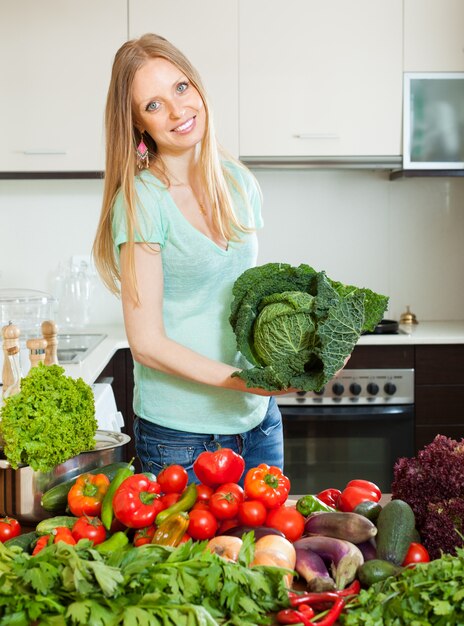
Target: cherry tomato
(234, 488)
(223, 505)
(173, 479)
(89, 528)
(202, 524)
(9, 528)
(416, 554)
(169, 499)
(203, 505)
(288, 520)
(252, 513)
(204, 492)
(144, 535)
(226, 524)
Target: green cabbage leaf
(49, 421)
(296, 326)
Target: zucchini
(46, 526)
(55, 499)
(24, 541)
(376, 570)
(395, 530)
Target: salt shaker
(36, 351)
(49, 332)
(11, 374)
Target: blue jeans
(157, 446)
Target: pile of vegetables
(296, 326)
(49, 421)
(433, 485)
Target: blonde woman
(177, 227)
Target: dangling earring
(142, 155)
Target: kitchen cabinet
(207, 33)
(320, 78)
(55, 63)
(433, 36)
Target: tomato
(329, 497)
(221, 466)
(226, 524)
(252, 513)
(234, 488)
(203, 505)
(204, 492)
(416, 554)
(89, 528)
(169, 499)
(9, 528)
(288, 520)
(173, 479)
(223, 505)
(202, 524)
(144, 535)
(367, 484)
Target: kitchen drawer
(443, 364)
(439, 404)
(382, 357)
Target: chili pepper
(311, 504)
(313, 598)
(42, 542)
(267, 484)
(116, 542)
(333, 615)
(171, 531)
(352, 590)
(63, 533)
(107, 513)
(292, 616)
(184, 504)
(307, 610)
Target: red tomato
(288, 520)
(367, 485)
(416, 554)
(234, 488)
(252, 513)
(169, 499)
(226, 524)
(185, 538)
(89, 528)
(202, 505)
(202, 524)
(223, 505)
(173, 479)
(221, 466)
(329, 497)
(143, 536)
(9, 528)
(204, 492)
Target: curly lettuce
(296, 326)
(49, 421)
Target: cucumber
(55, 499)
(395, 531)
(368, 509)
(24, 541)
(46, 526)
(376, 570)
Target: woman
(177, 228)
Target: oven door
(328, 446)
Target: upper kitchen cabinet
(433, 35)
(207, 33)
(320, 78)
(55, 63)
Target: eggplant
(368, 549)
(348, 526)
(344, 557)
(260, 531)
(312, 568)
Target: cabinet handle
(317, 136)
(44, 152)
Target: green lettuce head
(296, 326)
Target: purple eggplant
(343, 556)
(348, 526)
(368, 549)
(312, 568)
(260, 531)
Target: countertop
(422, 333)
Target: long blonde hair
(122, 138)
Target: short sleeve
(150, 224)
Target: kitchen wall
(404, 238)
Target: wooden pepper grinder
(36, 348)
(49, 332)
(11, 373)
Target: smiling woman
(176, 230)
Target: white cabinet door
(206, 32)
(320, 78)
(55, 64)
(434, 35)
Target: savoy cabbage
(297, 326)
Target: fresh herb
(430, 593)
(296, 326)
(151, 585)
(49, 421)
(432, 483)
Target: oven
(356, 427)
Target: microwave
(433, 120)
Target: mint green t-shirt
(198, 280)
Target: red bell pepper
(136, 501)
(86, 495)
(330, 497)
(355, 492)
(222, 466)
(267, 484)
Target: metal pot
(21, 489)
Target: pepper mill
(11, 374)
(49, 332)
(36, 350)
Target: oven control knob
(301, 393)
(320, 392)
(372, 389)
(338, 389)
(389, 389)
(355, 389)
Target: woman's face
(168, 107)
